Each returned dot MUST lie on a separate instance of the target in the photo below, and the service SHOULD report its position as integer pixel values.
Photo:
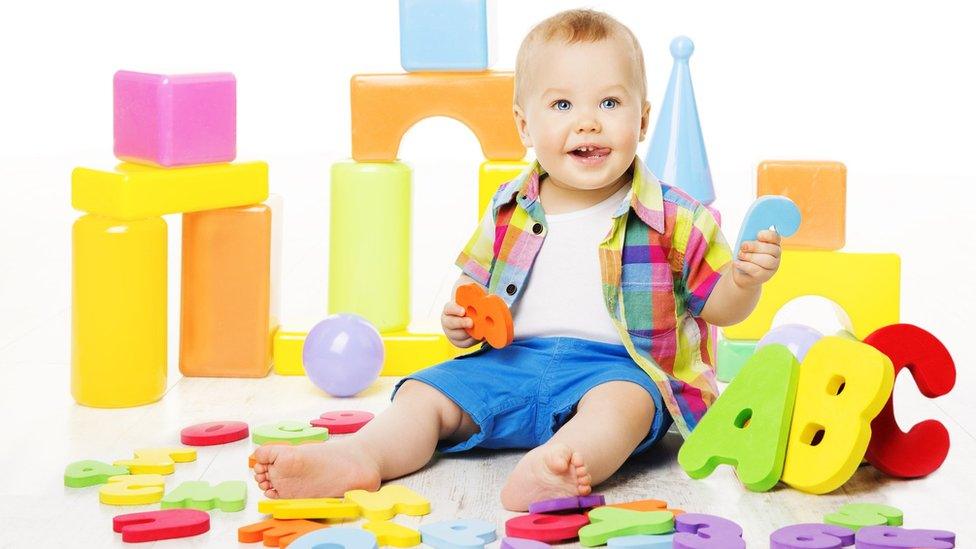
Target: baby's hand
(758, 260)
(454, 323)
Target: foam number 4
(90, 472)
(458, 534)
(700, 531)
(611, 522)
(811, 536)
(335, 538)
(291, 432)
(888, 537)
(768, 211)
(857, 515)
(748, 426)
(924, 447)
(843, 386)
(159, 461)
(492, 319)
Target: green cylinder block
(732, 355)
(369, 242)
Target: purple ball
(343, 354)
(797, 338)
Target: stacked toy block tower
(445, 47)
(865, 287)
(176, 136)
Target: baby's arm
(453, 320)
(737, 292)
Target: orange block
(384, 106)
(819, 189)
(276, 532)
(226, 326)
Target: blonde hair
(572, 26)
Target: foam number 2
(699, 531)
(924, 447)
(858, 515)
(335, 538)
(811, 536)
(888, 537)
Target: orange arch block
(385, 106)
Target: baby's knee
(413, 392)
(621, 398)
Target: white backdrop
(886, 88)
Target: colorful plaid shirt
(659, 263)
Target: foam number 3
(843, 385)
(924, 447)
(768, 211)
(811, 536)
(889, 537)
(700, 531)
(492, 319)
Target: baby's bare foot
(321, 470)
(552, 470)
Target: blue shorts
(519, 396)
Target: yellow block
(157, 460)
(388, 501)
(843, 386)
(866, 286)
(118, 313)
(404, 353)
(134, 191)
(491, 175)
(132, 490)
(391, 533)
(309, 508)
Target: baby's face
(582, 111)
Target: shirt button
(537, 228)
(510, 289)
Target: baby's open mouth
(589, 151)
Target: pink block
(175, 120)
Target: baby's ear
(521, 124)
(645, 119)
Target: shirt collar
(645, 196)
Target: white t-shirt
(564, 292)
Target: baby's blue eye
(609, 103)
(562, 105)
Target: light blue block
(768, 211)
(445, 35)
(663, 541)
(335, 538)
(458, 534)
(677, 150)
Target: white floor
(43, 430)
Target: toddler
(612, 277)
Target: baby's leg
(400, 440)
(610, 421)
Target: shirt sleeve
(477, 256)
(706, 253)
